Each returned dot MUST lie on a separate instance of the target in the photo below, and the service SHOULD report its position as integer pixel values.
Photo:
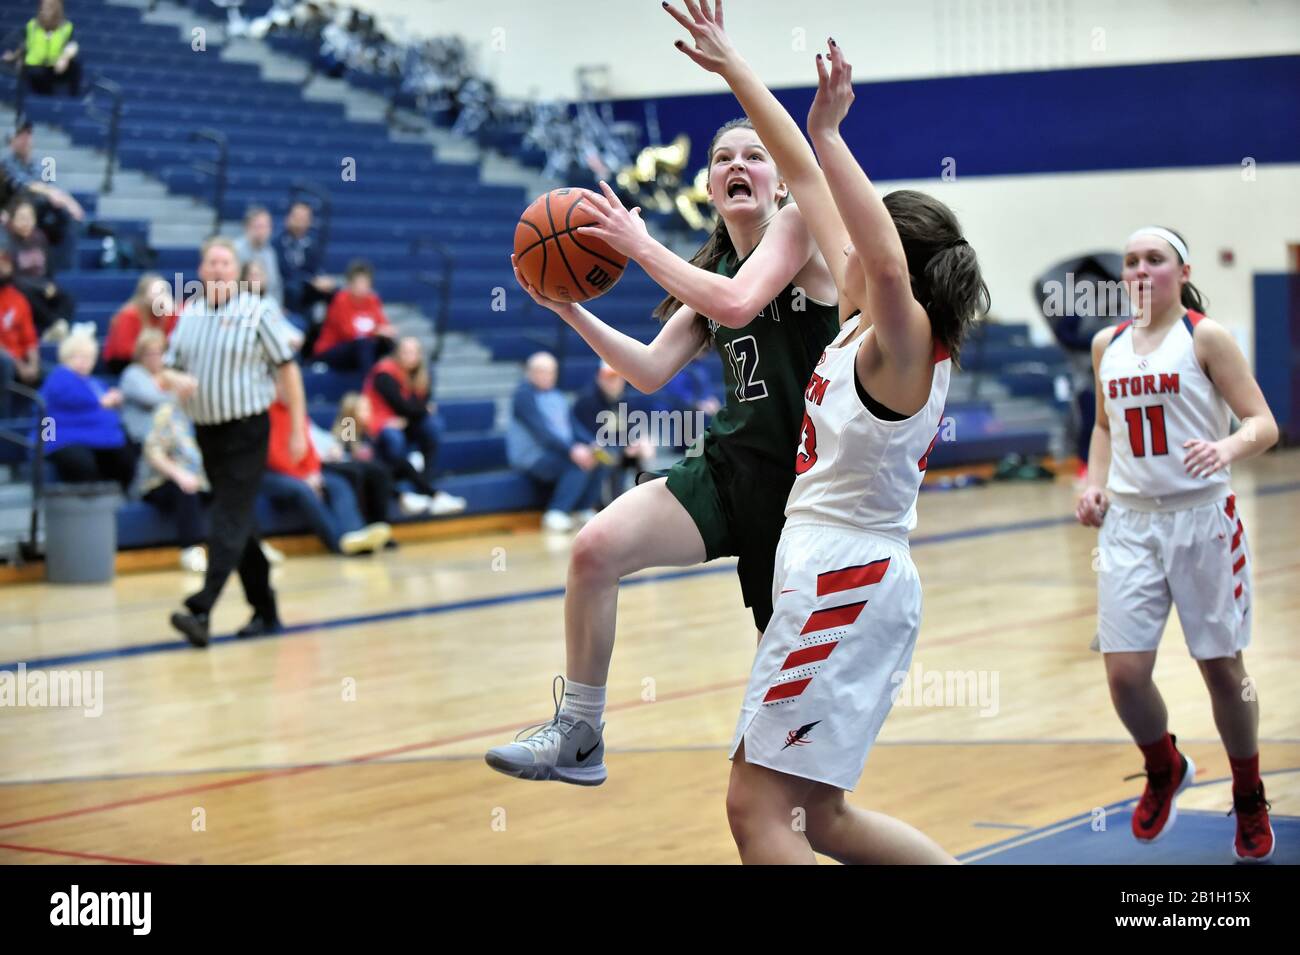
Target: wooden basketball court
(358, 735)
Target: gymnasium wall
(1052, 127)
(529, 47)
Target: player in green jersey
(762, 294)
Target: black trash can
(81, 532)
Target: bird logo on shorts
(799, 737)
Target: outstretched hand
(622, 230)
(834, 92)
(713, 49)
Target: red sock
(1160, 756)
(1245, 774)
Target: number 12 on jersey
(1137, 434)
(743, 354)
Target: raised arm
(775, 128)
(902, 326)
(646, 367)
(732, 302)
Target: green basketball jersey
(766, 367)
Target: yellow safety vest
(43, 49)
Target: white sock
(583, 702)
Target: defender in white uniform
(846, 595)
(1168, 537)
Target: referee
(226, 355)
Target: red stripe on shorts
(1237, 592)
(833, 617)
(808, 655)
(1241, 562)
(783, 691)
(1231, 505)
(1236, 538)
(863, 575)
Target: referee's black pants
(234, 457)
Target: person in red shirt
(356, 332)
(326, 499)
(150, 307)
(20, 350)
(404, 419)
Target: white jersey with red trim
(1154, 404)
(851, 467)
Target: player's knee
(1127, 679)
(595, 551)
(1225, 677)
(824, 816)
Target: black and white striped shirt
(233, 351)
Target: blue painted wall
(1208, 112)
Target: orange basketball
(555, 259)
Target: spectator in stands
(52, 307)
(57, 212)
(324, 498)
(142, 385)
(601, 410)
(371, 480)
(253, 275)
(403, 419)
(82, 432)
(171, 478)
(20, 350)
(544, 442)
(48, 52)
(693, 389)
(150, 307)
(298, 255)
(255, 246)
(351, 428)
(356, 333)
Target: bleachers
(400, 194)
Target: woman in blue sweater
(81, 429)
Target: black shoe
(260, 626)
(193, 625)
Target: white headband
(1178, 244)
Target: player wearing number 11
(1170, 527)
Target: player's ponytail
(945, 271)
(718, 246)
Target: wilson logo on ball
(599, 278)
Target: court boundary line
(478, 603)
(73, 854)
(1071, 822)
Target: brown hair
(718, 245)
(419, 381)
(359, 267)
(142, 300)
(945, 272)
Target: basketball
(555, 259)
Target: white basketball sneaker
(566, 749)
